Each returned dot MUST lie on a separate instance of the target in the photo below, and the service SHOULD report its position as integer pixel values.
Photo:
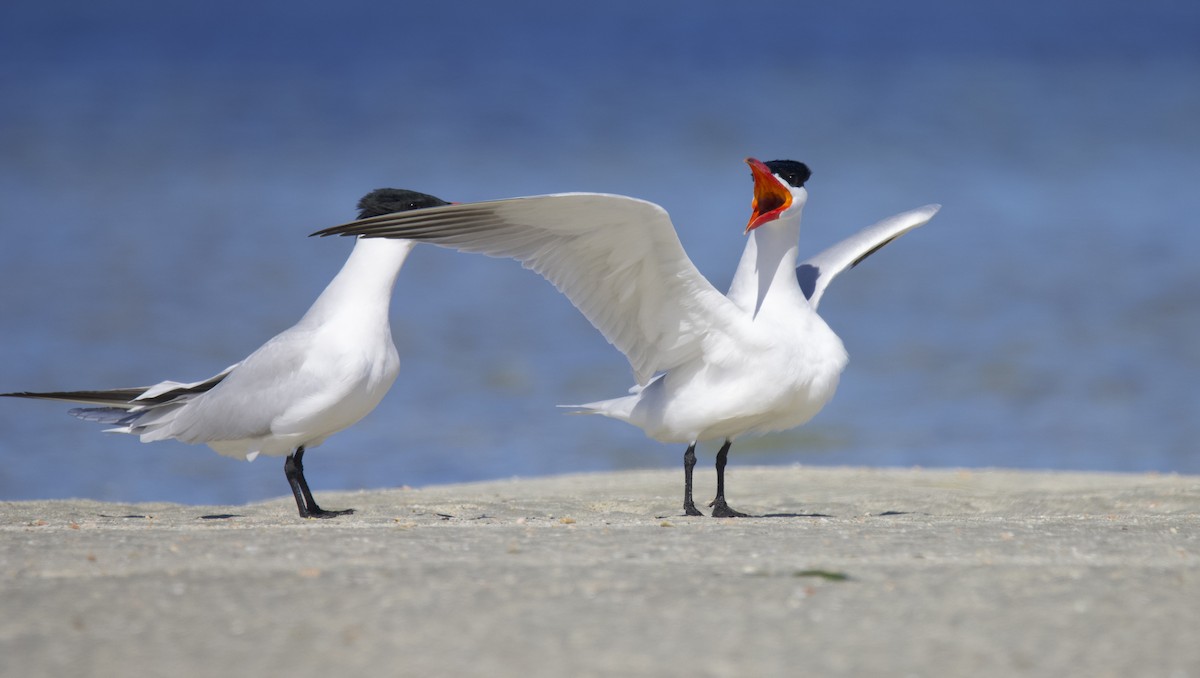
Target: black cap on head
(389, 200)
(795, 173)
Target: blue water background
(162, 163)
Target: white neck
(364, 285)
(766, 275)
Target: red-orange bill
(770, 195)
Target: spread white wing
(816, 272)
(618, 260)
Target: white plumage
(319, 376)
(708, 365)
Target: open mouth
(771, 197)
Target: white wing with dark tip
(816, 272)
(618, 260)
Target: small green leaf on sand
(823, 574)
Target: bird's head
(778, 190)
(389, 200)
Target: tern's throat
(766, 275)
(364, 285)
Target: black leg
(720, 508)
(289, 470)
(293, 468)
(689, 462)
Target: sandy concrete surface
(851, 572)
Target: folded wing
(123, 407)
(130, 398)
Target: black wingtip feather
(110, 396)
(871, 251)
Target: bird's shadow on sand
(142, 516)
(764, 515)
(883, 514)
